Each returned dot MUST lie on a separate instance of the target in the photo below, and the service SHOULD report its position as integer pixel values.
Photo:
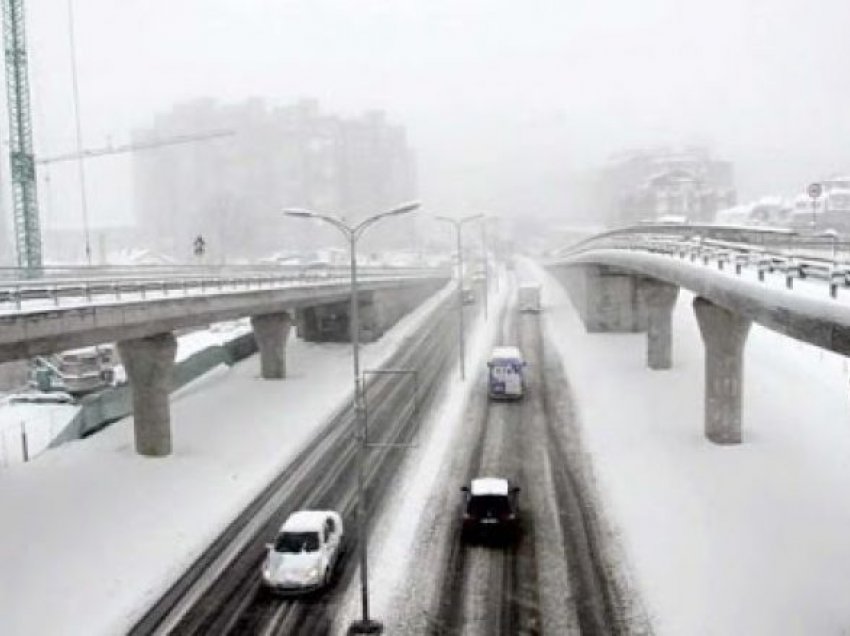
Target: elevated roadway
(628, 281)
(142, 310)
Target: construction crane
(143, 145)
(21, 159)
(116, 150)
(21, 155)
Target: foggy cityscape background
(518, 111)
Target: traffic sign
(815, 190)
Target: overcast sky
(507, 103)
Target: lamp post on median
(458, 225)
(352, 233)
(486, 267)
(486, 253)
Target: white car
(303, 556)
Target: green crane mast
(24, 199)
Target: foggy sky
(508, 104)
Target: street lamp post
(458, 224)
(365, 625)
(486, 268)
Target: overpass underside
(613, 300)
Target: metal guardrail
(89, 285)
(796, 255)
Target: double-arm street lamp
(458, 225)
(352, 233)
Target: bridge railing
(87, 285)
(797, 255)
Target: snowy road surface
(322, 477)
(560, 577)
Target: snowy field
(96, 533)
(40, 423)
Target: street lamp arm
(448, 219)
(459, 222)
(328, 218)
(402, 209)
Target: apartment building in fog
(656, 183)
(231, 189)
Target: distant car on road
(468, 295)
(528, 298)
(490, 510)
(305, 552)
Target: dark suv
(490, 510)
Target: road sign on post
(199, 246)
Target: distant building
(649, 184)
(232, 190)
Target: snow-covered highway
(699, 539)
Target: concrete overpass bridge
(140, 309)
(628, 281)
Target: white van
(528, 298)
(506, 379)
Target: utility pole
(486, 267)
(21, 159)
(81, 166)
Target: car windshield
(488, 506)
(297, 542)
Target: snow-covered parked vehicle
(305, 552)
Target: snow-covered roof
(489, 486)
(506, 353)
(306, 521)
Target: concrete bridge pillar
(659, 298)
(271, 332)
(611, 302)
(723, 334)
(149, 363)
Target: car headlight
(312, 573)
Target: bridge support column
(149, 363)
(724, 334)
(608, 300)
(271, 332)
(659, 298)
